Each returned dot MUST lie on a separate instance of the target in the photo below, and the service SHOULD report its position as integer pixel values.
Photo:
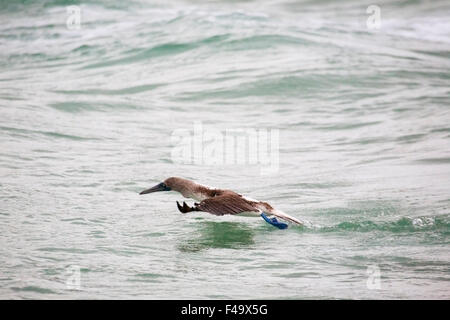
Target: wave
(27, 132)
(16, 5)
(440, 224)
(170, 48)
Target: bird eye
(164, 186)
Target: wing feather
(228, 203)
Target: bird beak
(158, 187)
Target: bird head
(170, 184)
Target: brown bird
(221, 201)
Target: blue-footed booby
(221, 202)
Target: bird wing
(228, 203)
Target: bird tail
(284, 216)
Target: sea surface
(92, 111)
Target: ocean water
(91, 112)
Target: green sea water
(87, 120)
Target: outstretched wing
(229, 203)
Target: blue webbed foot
(274, 222)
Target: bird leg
(185, 208)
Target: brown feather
(227, 203)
